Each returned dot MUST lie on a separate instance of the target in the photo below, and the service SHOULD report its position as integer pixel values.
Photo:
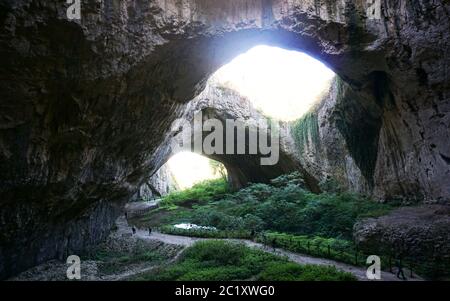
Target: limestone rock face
(319, 143)
(86, 105)
(159, 184)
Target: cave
(87, 105)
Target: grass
(293, 272)
(332, 248)
(205, 233)
(224, 261)
(200, 192)
(113, 260)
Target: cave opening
(281, 84)
(268, 82)
(189, 168)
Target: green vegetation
(205, 233)
(117, 259)
(319, 225)
(332, 248)
(306, 129)
(200, 192)
(297, 210)
(293, 272)
(221, 260)
(281, 214)
(178, 205)
(114, 262)
(218, 169)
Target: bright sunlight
(190, 168)
(282, 84)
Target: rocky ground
(420, 234)
(121, 256)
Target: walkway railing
(335, 249)
(347, 252)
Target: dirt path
(129, 273)
(358, 272)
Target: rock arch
(224, 104)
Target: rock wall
(159, 184)
(416, 234)
(320, 144)
(86, 105)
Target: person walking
(399, 265)
(264, 240)
(149, 231)
(274, 244)
(134, 230)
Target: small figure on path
(399, 266)
(134, 230)
(149, 231)
(274, 243)
(252, 234)
(126, 215)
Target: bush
(294, 178)
(221, 260)
(293, 272)
(113, 261)
(287, 209)
(337, 249)
(216, 253)
(208, 217)
(203, 191)
(206, 233)
(283, 207)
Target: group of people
(133, 228)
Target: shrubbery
(337, 249)
(297, 219)
(203, 191)
(220, 260)
(112, 260)
(283, 206)
(293, 272)
(205, 233)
